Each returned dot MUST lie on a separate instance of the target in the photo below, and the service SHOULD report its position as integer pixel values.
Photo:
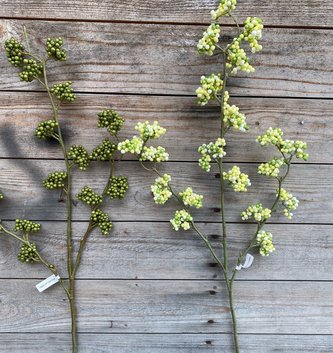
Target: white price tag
(247, 263)
(47, 283)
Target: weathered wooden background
(148, 289)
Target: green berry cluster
(102, 220)
(103, 152)
(64, 91)
(53, 48)
(46, 129)
(14, 51)
(118, 187)
(26, 226)
(28, 253)
(79, 155)
(1, 196)
(30, 70)
(55, 180)
(110, 119)
(89, 196)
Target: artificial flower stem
(71, 275)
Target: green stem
(71, 275)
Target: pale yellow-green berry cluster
(1, 196)
(274, 136)
(182, 219)
(265, 243)
(190, 198)
(102, 220)
(150, 131)
(252, 33)
(238, 181)
(237, 59)
(131, 146)
(154, 154)
(210, 86)
(212, 150)
(289, 201)
(271, 168)
(207, 43)
(55, 180)
(26, 226)
(271, 136)
(161, 190)
(233, 117)
(224, 9)
(296, 148)
(257, 212)
(88, 196)
(80, 156)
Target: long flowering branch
(214, 87)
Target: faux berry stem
(71, 275)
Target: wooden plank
(168, 62)
(188, 124)
(171, 343)
(155, 251)
(20, 180)
(300, 13)
(169, 307)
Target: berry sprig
(90, 197)
(265, 243)
(1, 196)
(64, 91)
(182, 219)
(28, 253)
(26, 226)
(111, 120)
(30, 70)
(104, 151)
(101, 219)
(118, 187)
(80, 156)
(46, 129)
(54, 48)
(14, 52)
(55, 180)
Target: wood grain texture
(188, 125)
(155, 251)
(122, 306)
(172, 343)
(167, 63)
(273, 12)
(25, 197)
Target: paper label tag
(47, 283)
(247, 263)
